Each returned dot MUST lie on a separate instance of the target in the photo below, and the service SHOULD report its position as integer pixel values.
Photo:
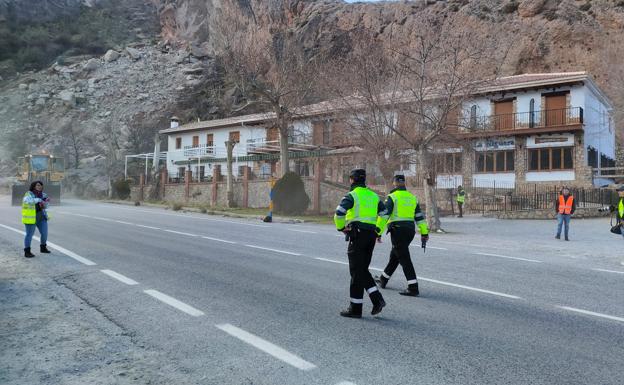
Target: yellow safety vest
(404, 206)
(461, 197)
(29, 211)
(365, 204)
(621, 208)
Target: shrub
(176, 206)
(289, 196)
(121, 189)
(203, 209)
(585, 7)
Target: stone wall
(548, 214)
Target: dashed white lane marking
(188, 309)
(303, 231)
(181, 233)
(62, 250)
(275, 250)
(609, 271)
(508, 257)
(345, 383)
(120, 277)
(587, 312)
(469, 288)
(436, 281)
(434, 247)
(148, 227)
(267, 347)
(124, 222)
(218, 240)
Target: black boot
(378, 302)
(411, 291)
(353, 311)
(27, 253)
(44, 249)
(381, 281)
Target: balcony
(524, 123)
(198, 151)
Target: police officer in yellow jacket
(356, 216)
(404, 211)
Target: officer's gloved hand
(611, 208)
(341, 230)
(424, 238)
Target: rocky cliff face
(42, 10)
(136, 93)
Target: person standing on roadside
(461, 198)
(619, 209)
(564, 207)
(35, 216)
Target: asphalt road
(233, 301)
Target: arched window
(532, 113)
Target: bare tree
(365, 93)
(268, 69)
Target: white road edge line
(60, 249)
(148, 227)
(181, 233)
(119, 277)
(303, 231)
(267, 347)
(469, 288)
(124, 222)
(609, 271)
(614, 318)
(275, 250)
(508, 257)
(331, 260)
(435, 247)
(219, 240)
(188, 309)
(345, 383)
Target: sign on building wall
(495, 144)
(561, 140)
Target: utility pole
(230, 193)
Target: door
(504, 117)
(556, 110)
(195, 141)
(272, 134)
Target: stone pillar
(216, 176)
(316, 195)
(582, 172)
(141, 187)
(188, 175)
(246, 177)
(520, 161)
(164, 179)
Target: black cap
(359, 174)
(621, 188)
(400, 178)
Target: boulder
(133, 53)
(91, 65)
(68, 97)
(111, 56)
(530, 8)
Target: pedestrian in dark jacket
(35, 216)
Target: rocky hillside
(114, 105)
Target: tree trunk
(284, 155)
(230, 177)
(433, 216)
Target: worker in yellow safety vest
(356, 216)
(620, 208)
(405, 215)
(35, 216)
(461, 198)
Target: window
(592, 157)
(547, 159)
(448, 163)
(326, 131)
(195, 141)
(532, 113)
(235, 136)
(178, 143)
(494, 161)
(210, 143)
(473, 116)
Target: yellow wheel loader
(47, 168)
